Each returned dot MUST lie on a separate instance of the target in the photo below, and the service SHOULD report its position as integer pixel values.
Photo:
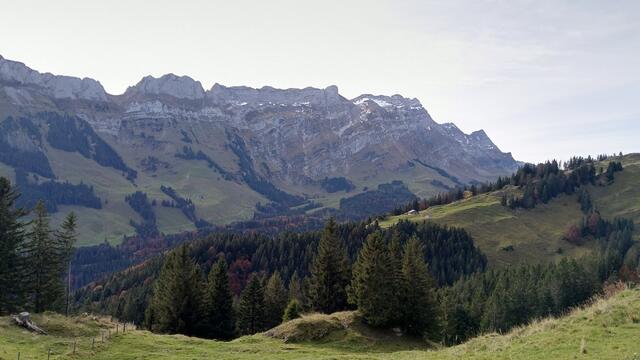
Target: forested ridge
(537, 183)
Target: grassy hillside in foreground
(535, 234)
(606, 329)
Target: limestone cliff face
(17, 76)
(291, 135)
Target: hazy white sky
(545, 79)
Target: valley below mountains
(167, 156)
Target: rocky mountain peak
(482, 139)
(60, 87)
(267, 94)
(387, 102)
(181, 87)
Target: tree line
(389, 283)
(449, 251)
(140, 203)
(539, 183)
(53, 193)
(33, 160)
(34, 258)
(73, 134)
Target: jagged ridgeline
(232, 153)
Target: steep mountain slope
(606, 329)
(509, 236)
(223, 150)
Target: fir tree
(395, 251)
(251, 311)
(292, 311)
(295, 287)
(275, 300)
(219, 321)
(329, 272)
(44, 263)
(176, 303)
(419, 315)
(12, 239)
(65, 239)
(372, 286)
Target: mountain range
(169, 156)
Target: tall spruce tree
(275, 300)
(329, 272)
(12, 241)
(295, 287)
(372, 283)
(44, 276)
(177, 299)
(420, 315)
(251, 311)
(395, 252)
(219, 322)
(65, 239)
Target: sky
(545, 79)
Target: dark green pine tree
(44, 264)
(275, 300)
(329, 272)
(176, 303)
(219, 322)
(496, 309)
(251, 312)
(372, 284)
(419, 315)
(12, 241)
(65, 240)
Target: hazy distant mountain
(211, 156)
